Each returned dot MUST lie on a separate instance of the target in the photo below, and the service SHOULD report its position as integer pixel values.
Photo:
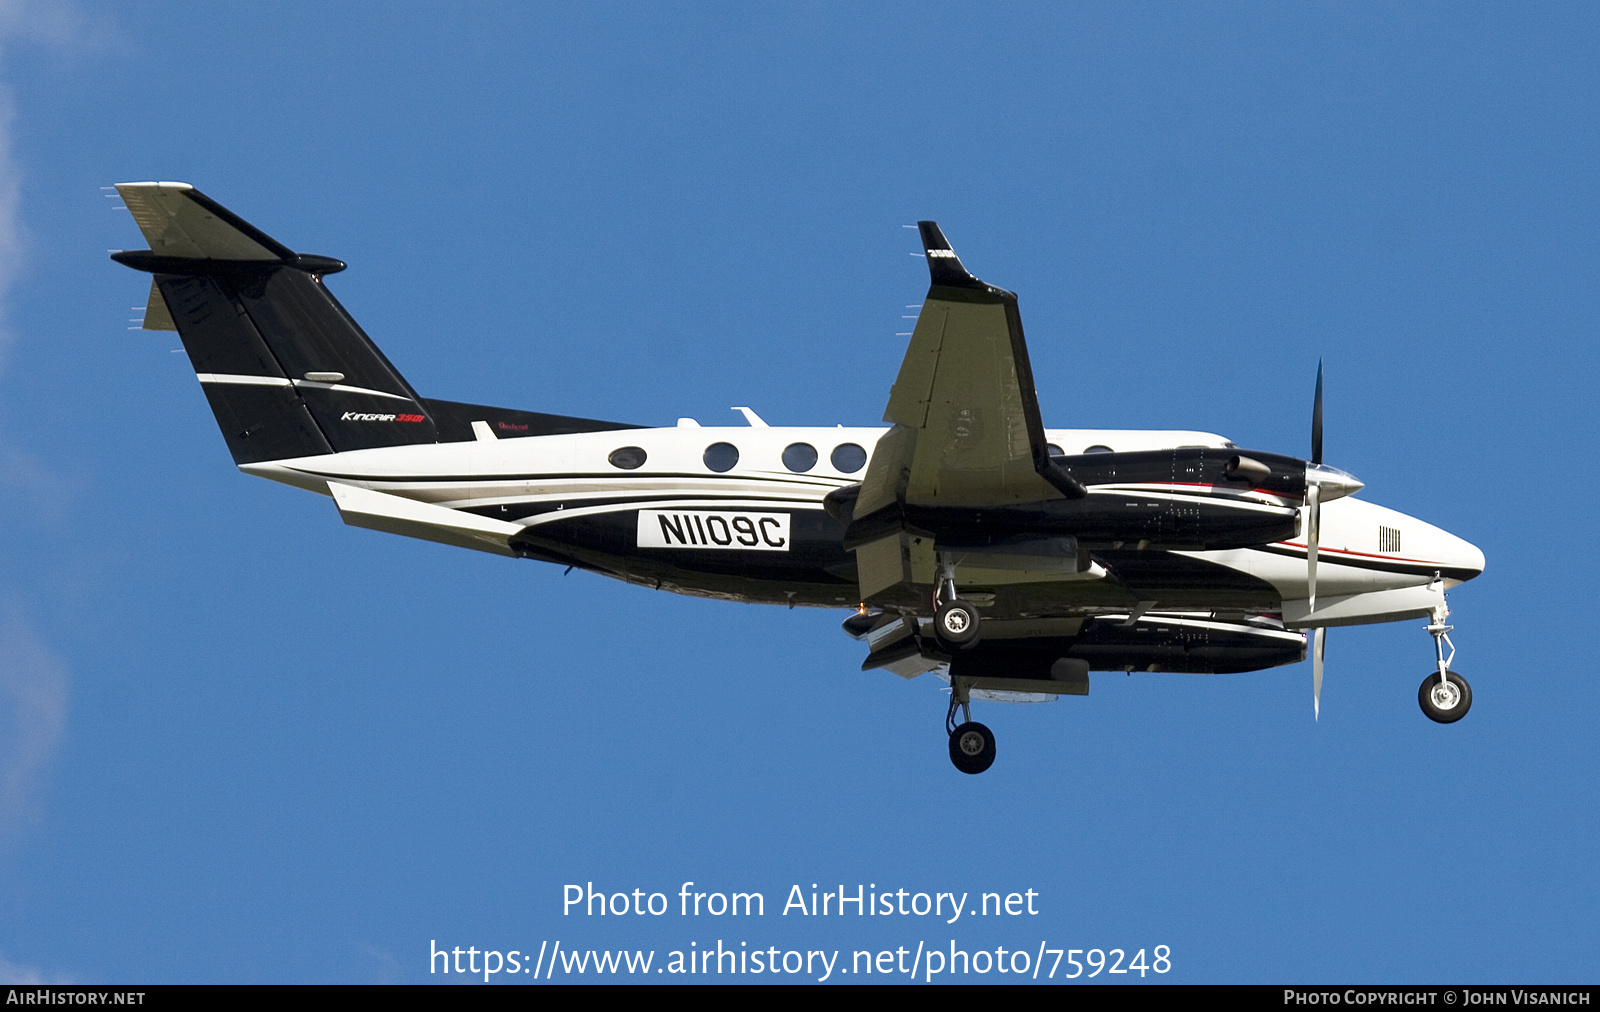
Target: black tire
(1445, 714)
(972, 747)
(956, 624)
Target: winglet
(944, 267)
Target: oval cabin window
(848, 458)
(628, 457)
(800, 457)
(721, 457)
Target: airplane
(968, 541)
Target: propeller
(1322, 482)
(1319, 638)
(1319, 647)
(1314, 498)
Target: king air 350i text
(968, 540)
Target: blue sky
(240, 741)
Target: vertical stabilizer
(287, 371)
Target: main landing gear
(971, 744)
(956, 626)
(955, 622)
(1444, 696)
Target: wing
(966, 428)
(966, 434)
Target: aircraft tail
(287, 371)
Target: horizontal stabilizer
(179, 221)
(380, 511)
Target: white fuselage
(1375, 564)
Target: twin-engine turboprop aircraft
(1008, 559)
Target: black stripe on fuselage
(515, 511)
(1326, 557)
(817, 569)
(813, 561)
(1202, 493)
(802, 481)
(454, 420)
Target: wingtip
(932, 237)
(944, 267)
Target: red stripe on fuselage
(1364, 555)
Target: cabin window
(1097, 448)
(800, 457)
(628, 457)
(848, 458)
(721, 457)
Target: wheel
(956, 624)
(972, 747)
(1445, 703)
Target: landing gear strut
(956, 626)
(955, 622)
(971, 744)
(1445, 696)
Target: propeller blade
(1313, 537)
(1319, 645)
(1316, 420)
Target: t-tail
(287, 371)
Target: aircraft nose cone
(1458, 559)
(1335, 484)
(1465, 558)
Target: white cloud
(383, 968)
(12, 973)
(59, 26)
(33, 714)
(11, 235)
(33, 680)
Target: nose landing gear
(971, 744)
(1444, 696)
(1447, 700)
